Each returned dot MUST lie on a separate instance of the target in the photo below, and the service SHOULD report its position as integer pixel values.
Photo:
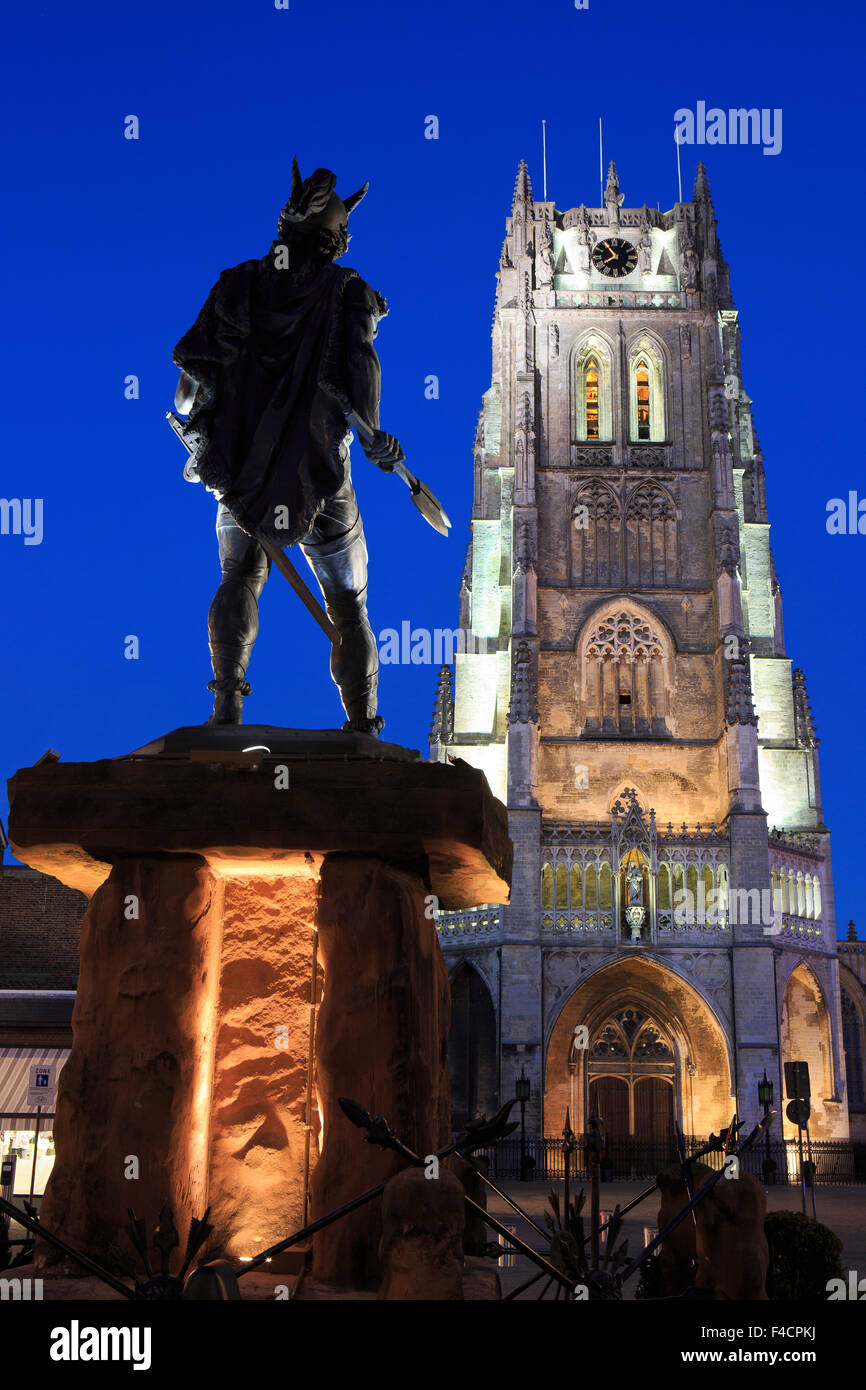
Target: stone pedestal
(213, 873)
(132, 1114)
(382, 1040)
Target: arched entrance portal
(631, 1069)
(471, 1048)
(805, 1033)
(647, 1043)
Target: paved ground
(843, 1209)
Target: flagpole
(544, 154)
(679, 175)
(600, 167)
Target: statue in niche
(634, 885)
(635, 911)
(689, 273)
(544, 255)
(645, 248)
(585, 243)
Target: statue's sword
(276, 552)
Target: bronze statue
(277, 365)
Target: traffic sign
(797, 1080)
(42, 1086)
(798, 1112)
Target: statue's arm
(364, 375)
(214, 342)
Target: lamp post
(765, 1098)
(594, 1151)
(522, 1092)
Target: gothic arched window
(642, 391)
(652, 559)
(561, 886)
(547, 886)
(646, 393)
(596, 538)
(625, 668)
(722, 894)
(664, 888)
(605, 888)
(592, 386)
(576, 887)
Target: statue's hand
(185, 394)
(384, 450)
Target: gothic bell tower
(628, 694)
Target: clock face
(614, 257)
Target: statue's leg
(337, 554)
(233, 620)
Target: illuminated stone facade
(628, 694)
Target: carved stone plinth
(635, 917)
(212, 874)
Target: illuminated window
(547, 886)
(561, 886)
(642, 385)
(646, 392)
(592, 384)
(590, 380)
(664, 888)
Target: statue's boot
(364, 723)
(229, 685)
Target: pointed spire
(756, 443)
(804, 724)
(442, 727)
(774, 576)
(701, 192)
(523, 708)
(466, 578)
(522, 185)
(852, 931)
(739, 706)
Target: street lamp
(522, 1092)
(765, 1098)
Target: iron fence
(835, 1161)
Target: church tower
(623, 682)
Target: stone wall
(40, 923)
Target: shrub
(804, 1255)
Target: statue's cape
(268, 355)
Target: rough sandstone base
(209, 879)
(382, 1041)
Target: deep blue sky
(112, 245)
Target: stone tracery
(624, 658)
